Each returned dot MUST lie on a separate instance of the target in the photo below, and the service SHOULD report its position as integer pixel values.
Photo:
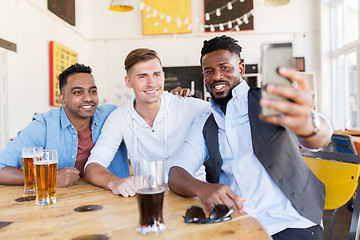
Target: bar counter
(117, 219)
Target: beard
(223, 100)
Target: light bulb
(229, 6)
(229, 24)
(207, 16)
(218, 12)
(245, 19)
(212, 28)
(238, 21)
(221, 27)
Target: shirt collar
(65, 122)
(160, 115)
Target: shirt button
(74, 136)
(73, 156)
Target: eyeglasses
(218, 213)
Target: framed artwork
(60, 58)
(64, 9)
(225, 15)
(166, 17)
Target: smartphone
(274, 55)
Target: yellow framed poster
(60, 58)
(166, 17)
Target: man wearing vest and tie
(253, 163)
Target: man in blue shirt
(72, 130)
(253, 162)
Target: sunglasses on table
(218, 213)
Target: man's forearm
(99, 175)
(11, 176)
(182, 183)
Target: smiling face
(222, 71)
(146, 78)
(79, 97)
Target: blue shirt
(53, 130)
(241, 170)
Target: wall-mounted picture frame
(60, 58)
(64, 9)
(225, 15)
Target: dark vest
(279, 154)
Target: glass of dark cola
(149, 187)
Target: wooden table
(116, 220)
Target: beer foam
(27, 155)
(45, 162)
(150, 191)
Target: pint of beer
(27, 166)
(149, 187)
(45, 172)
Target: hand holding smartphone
(273, 56)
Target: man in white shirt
(153, 125)
(253, 163)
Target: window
(344, 54)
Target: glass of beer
(149, 187)
(28, 169)
(45, 172)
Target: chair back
(340, 179)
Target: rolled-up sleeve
(31, 136)
(194, 151)
(109, 141)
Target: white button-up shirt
(161, 141)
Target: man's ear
(242, 68)
(61, 99)
(128, 82)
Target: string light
(207, 16)
(218, 12)
(154, 13)
(245, 19)
(221, 27)
(231, 24)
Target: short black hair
(75, 68)
(220, 43)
